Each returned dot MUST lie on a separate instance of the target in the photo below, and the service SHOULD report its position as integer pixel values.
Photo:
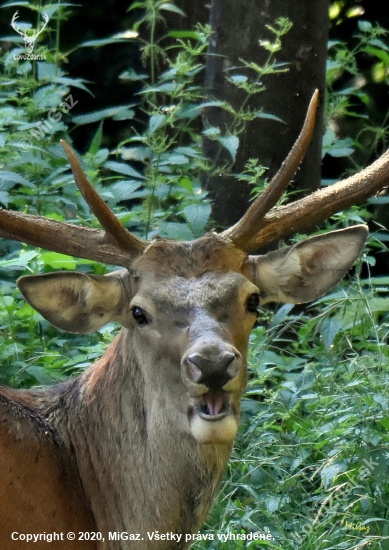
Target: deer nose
(213, 368)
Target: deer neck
(141, 468)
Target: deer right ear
(75, 302)
(308, 270)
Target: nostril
(194, 369)
(227, 359)
(213, 371)
(198, 360)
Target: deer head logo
(29, 40)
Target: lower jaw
(216, 431)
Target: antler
(320, 205)
(115, 245)
(263, 223)
(37, 33)
(13, 24)
(248, 226)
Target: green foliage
(316, 411)
(312, 456)
(346, 93)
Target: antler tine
(248, 226)
(114, 229)
(13, 23)
(320, 205)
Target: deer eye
(253, 303)
(140, 316)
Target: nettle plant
(349, 69)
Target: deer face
(191, 338)
(193, 323)
(189, 309)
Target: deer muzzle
(213, 374)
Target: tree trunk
(238, 27)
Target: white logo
(29, 41)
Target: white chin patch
(214, 431)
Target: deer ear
(307, 270)
(75, 302)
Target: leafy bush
(310, 462)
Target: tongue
(214, 401)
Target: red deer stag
(139, 442)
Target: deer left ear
(307, 270)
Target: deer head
(188, 308)
(29, 40)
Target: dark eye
(253, 303)
(139, 315)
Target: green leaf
(101, 156)
(238, 78)
(58, 261)
(364, 26)
(340, 151)
(171, 7)
(177, 231)
(95, 116)
(186, 183)
(379, 44)
(155, 122)
(6, 301)
(4, 198)
(378, 53)
(21, 261)
(184, 34)
(282, 314)
(39, 374)
(75, 82)
(103, 42)
(189, 151)
(132, 75)
(197, 216)
(270, 117)
(13, 177)
(124, 189)
(173, 159)
(136, 5)
(125, 114)
(96, 141)
(231, 143)
(377, 305)
(135, 153)
(329, 329)
(385, 423)
(166, 87)
(122, 168)
(212, 132)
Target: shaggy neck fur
(140, 467)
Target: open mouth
(213, 405)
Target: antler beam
(62, 237)
(315, 208)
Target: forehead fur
(211, 290)
(190, 259)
